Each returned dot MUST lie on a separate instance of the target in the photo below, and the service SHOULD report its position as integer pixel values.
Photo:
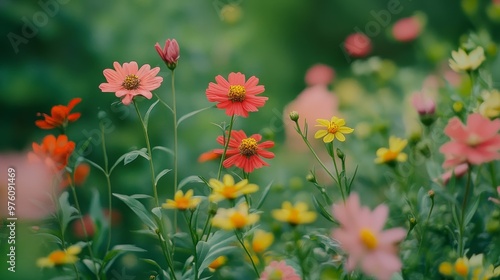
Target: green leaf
(92, 266)
(188, 115)
(140, 196)
(217, 245)
(68, 212)
(166, 150)
(138, 209)
(131, 156)
(95, 165)
(264, 195)
(328, 243)
(49, 237)
(189, 179)
(322, 210)
(101, 223)
(161, 174)
(146, 117)
(472, 210)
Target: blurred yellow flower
(218, 262)
(261, 240)
(234, 218)
(227, 189)
(461, 61)
(393, 153)
(294, 214)
(334, 128)
(490, 107)
(458, 106)
(59, 257)
(472, 267)
(182, 201)
(446, 268)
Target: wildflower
(279, 271)
(358, 45)
(294, 214)
(128, 81)
(236, 96)
(319, 74)
(207, 156)
(170, 53)
(79, 176)
(234, 218)
(54, 152)
(461, 61)
(458, 171)
(407, 29)
(458, 106)
(394, 152)
(361, 236)
(261, 240)
(182, 201)
(245, 152)
(490, 107)
(476, 143)
(334, 128)
(423, 104)
(472, 267)
(59, 257)
(217, 263)
(294, 116)
(60, 116)
(227, 189)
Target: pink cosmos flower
(358, 45)
(458, 170)
(128, 81)
(362, 237)
(236, 96)
(319, 74)
(424, 104)
(170, 52)
(476, 143)
(279, 270)
(406, 29)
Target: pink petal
(236, 78)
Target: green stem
(76, 272)
(299, 254)
(194, 239)
(148, 145)
(174, 113)
(240, 239)
(493, 175)
(339, 180)
(462, 216)
(167, 258)
(108, 181)
(226, 145)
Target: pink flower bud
(170, 53)
(358, 45)
(406, 29)
(423, 104)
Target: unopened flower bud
(311, 178)
(294, 116)
(431, 193)
(340, 154)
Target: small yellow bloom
(458, 106)
(334, 128)
(490, 107)
(446, 268)
(461, 61)
(182, 201)
(227, 189)
(234, 218)
(59, 257)
(218, 262)
(465, 268)
(294, 215)
(393, 153)
(261, 240)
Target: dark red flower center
(131, 82)
(236, 93)
(248, 147)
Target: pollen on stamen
(248, 147)
(236, 93)
(131, 82)
(333, 128)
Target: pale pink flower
(475, 143)
(358, 45)
(406, 29)
(423, 103)
(362, 237)
(319, 74)
(459, 171)
(279, 270)
(128, 81)
(170, 52)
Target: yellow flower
(461, 61)
(227, 189)
(446, 268)
(334, 128)
(490, 107)
(182, 201)
(59, 257)
(218, 262)
(294, 215)
(465, 267)
(261, 240)
(234, 218)
(393, 153)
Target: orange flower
(79, 176)
(207, 156)
(60, 116)
(53, 151)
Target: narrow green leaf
(264, 195)
(216, 245)
(161, 174)
(166, 150)
(189, 179)
(95, 165)
(68, 212)
(131, 156)
(148, 112)
(138, 209)
(188, 115)
(472, 210)
(322, 210)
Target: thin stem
(493, 175)
(108, 181)
(226, 144)
(174, 113)
(194, 239)
(299, 254)
(339, 180)
(148, 145)
(462, 218)
(240, 239)
(76, 272)
(167, 258)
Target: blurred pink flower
(423, 104)
(319, 74)
(407, 29)
(128, 81)
(358, 45)
(458, 170)
(279, 270)
(476, 143)
(170, 52)
(31, 186)
(362, 237)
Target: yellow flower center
(182, 203)
(368, 238)
(276, 275)
(461, 268)
(238, 220)
(473, 140)
(390, 156)
(131, 82)
(229, 192)
(333, 128)
(248, 147)
(293, 217)
(236, 93)
(57, 257)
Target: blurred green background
(277, 41)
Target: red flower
(245, 152)
(358, 45)
(236, 95)
(53, 151)
(60, 116)
(170, 53)
(80, 174)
